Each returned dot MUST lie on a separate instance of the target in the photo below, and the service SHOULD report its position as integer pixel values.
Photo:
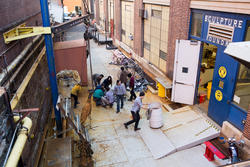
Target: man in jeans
(119, 91)
(135, 112)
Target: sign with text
(221, 29)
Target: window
(196, 24)
(127, 8)
(146, 45)
(123, 32)
(156, 13)
(242, 90)
(247, 37)
(163, 55)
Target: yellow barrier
(209, 87)
(161, 90)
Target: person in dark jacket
(132, 86)
(123, 77)
(97, 79)
(107, 82)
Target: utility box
(72, 55)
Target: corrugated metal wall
(127, 22)
(156, 35)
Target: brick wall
(178, 29)
(117, 17)
(36, 95)
(138, 28)
(246, 131)
(97, 12)
(106, 15)
(14, 13)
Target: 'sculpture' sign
(224, 21)
(221, 29)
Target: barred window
(156, 13)
(123, 32)
(146, 45)
(163, 55)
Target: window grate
(221, 31)
(163, 55)
(156, 13)
(123, 32)
(146, 45)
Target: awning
(239, 51)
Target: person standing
(123, 77)
(97, 79)
(132, 86)
(74, 93)
(135, 112)
(119, 91)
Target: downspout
(20, 142)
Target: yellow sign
(218, 95)
(222, 72)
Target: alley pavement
(115, 146)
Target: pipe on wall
(20, 142)
(17, 60)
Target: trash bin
(155, 115)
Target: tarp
(239, 51)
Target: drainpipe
(20, 142)
(51, 62)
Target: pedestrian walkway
(115, 146)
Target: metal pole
(51, 62)
(90, 62)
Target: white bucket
(155, 120)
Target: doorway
(207, 64)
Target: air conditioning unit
(143, 13)
(131, 37)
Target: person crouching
(108, 99)
(98, 94)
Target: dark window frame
(146, 45)
(163, 55)
(123, 32)
(156, 13)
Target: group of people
(105, 96)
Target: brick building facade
(178, 27)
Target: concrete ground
(115, 146)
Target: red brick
(97, 12)
(246, 131)
(117, 18)
(106, 14)
(138, 36)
